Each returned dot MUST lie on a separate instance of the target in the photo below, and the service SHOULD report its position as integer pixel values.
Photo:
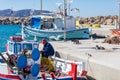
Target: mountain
(20, 13)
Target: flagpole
(65, 20)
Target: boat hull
(9, 77)
(59, 34)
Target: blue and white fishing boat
(22, 61)
(53, 27)
(56, 26)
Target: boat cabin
(17, 44)
(52, 22)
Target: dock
(101, 64)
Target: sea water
(5, 32)
(13, 30)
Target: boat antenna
(65, 14)
(40, 7)
(11, 12)
(11, 15)
(59, 6)
(69, 6)
(119, 15)
(31, 12)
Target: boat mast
(65, 20)
(40, 7)
(119, 15)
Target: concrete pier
(100, 64)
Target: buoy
(35, 54)
(35, 70)
(22, 61)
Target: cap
(44, 41)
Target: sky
(88, 8)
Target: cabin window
(17, 48)
(10, 47)
(27, 46)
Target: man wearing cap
(47, 50)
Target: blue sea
(10, 30)
(5, 32)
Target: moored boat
(22, 61)
(53, 28)
(57, 26)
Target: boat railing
(65, 65)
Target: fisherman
(47, 50)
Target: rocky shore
(15, 20)
(105, 20)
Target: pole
(41, 7)
(64, 20)
(119, 15)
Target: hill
(20, 13)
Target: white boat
(53, 27)
(22, 61)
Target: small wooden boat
(23, 61)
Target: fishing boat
(56, 26)
(53, 27)
(23, 61)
